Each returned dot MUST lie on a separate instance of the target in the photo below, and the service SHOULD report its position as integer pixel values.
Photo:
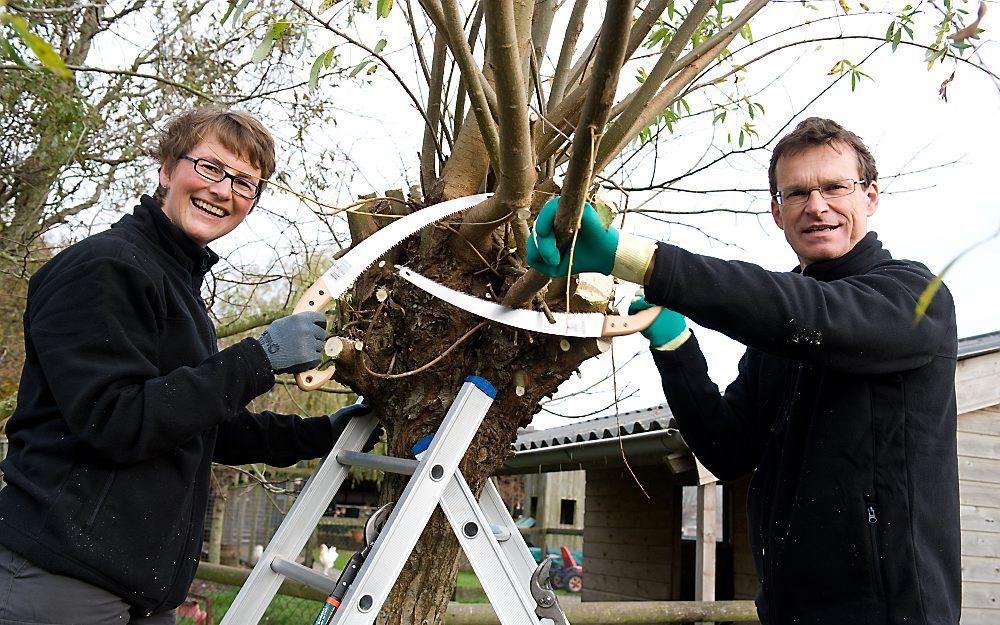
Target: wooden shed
(554, 500)
(977, 385)
(661, 528)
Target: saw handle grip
(620, 325)
(316, 298)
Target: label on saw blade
(338, 269)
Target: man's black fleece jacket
(845, 407)
(124, 403)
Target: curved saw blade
(345, 270)
(565, 324)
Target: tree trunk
(223, 479)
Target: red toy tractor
(569, 574)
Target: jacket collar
(148, 217)
(866, 252)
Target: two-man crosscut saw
(345, 270)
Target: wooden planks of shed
(979, 483)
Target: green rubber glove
(668, 332)
(594, 251)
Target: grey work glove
(340, 418)
(295, 343)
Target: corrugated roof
(978, 345)
(649, 431)
(633, 422)
(644, 436)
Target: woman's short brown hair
(818, 131)
(237, 131)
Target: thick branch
(639, 100)
(516, 173)
(562, 118)
(691, 65)
(573, 29)
(594, 117)
(541, 26)
(446, 16)
(459, 113)
(428, 162)
(607, 68)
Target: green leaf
(380, 45)
(229, 11)
(314, 71)
(896, 39)
(273, 34)
(278, 28)
(889, 31)
(357, 68)
(325, 6)
(263, 49)
(924, 302)
(9, 50)
(384, 6)
(41, 48)
(240, 7)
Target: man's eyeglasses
(796, 197)
(216, 173)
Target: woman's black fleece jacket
(124, 402)
(845, 407)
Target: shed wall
(979, 484)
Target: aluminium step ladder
(485, 530)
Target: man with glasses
(125, 399)
(844, 406)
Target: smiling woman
(212, 163)
(203, 208)
(144, 394)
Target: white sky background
(930, 216)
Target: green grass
(282, 611)
(294, 611)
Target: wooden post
(704, 581)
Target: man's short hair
(818, 131)
(239, 132)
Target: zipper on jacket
(875, 550)
(767, 560)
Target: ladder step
(390, 464)
(299, 573)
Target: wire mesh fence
(213, 600)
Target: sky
(936, 162)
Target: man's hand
(595, 246)
(295, 343)
(339, 421)
(597, 250)
(668, 331)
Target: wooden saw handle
(316, 298)
(620, 325)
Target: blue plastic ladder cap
(483, 385)
(421, 446)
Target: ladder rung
(390, 464)
(299, 573)
(500, 533)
